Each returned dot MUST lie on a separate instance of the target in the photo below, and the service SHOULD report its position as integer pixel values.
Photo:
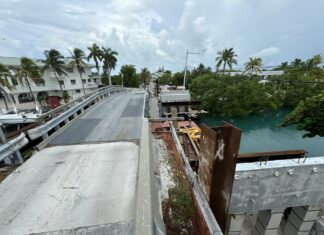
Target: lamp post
(185, 72)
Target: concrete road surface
(86, 182)
(115, 118)
(87, 187)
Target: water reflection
(262, 133)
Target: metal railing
(64, 113)
(12, 147)
(55, 112)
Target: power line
(269, 18)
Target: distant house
(179, 99)
(263, 74)
(49, 87)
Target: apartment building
(49, 87)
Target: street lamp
(185, 72)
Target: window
(89, 80)
(95, 80)
(61, 82)
(73, 82)
(40, 82)
(77, 91)
(84, 81)
(14, 81)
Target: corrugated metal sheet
(174, 96)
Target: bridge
(86, 179)
(96, 173)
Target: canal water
(261, 133)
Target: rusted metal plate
(218, 157)
(274, 155)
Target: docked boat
(19, 118)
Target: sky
(156, 33)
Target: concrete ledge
(148, 219)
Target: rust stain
(218, 156)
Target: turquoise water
(261, 133)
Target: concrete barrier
(148, 212)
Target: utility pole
(122, 77)
(185, 72)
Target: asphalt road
(114, 119)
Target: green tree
(226, 57)
(55, 61)
(165, 78)
(309, 116)
(4, 72)
(129, 75)
(96, 54)
(177, 78)
(238, 95)
(77, 56)
(109, 61)
(253, 65)
(297, 63)
(145, 76)
(28, 70)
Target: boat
(19, 118)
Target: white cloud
(267, 52)
(155, 33)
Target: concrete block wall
(268, 222)
(301, 219)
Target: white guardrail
(64, 117)
(197, 190)
(12, 146)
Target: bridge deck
(116, 118)
(78, 186)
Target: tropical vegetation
(54, 60)
(109, 58)
(77, 59)
(28, 70)
(4, 72)
(226, 58)
(253, 65)
(308, 116)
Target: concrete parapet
(278, 184)
(148, 212)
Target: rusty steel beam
(217, 161)
(273, 155)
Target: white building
(264, 74)
(49, 86)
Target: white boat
(18, 118)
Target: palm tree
(4, 71)
(109, 61)
(145, 75)
(297, 63)
(28, 70)
(254, 64)
(226, 57)
(96, 55)
(77, 56)
(55, 61)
